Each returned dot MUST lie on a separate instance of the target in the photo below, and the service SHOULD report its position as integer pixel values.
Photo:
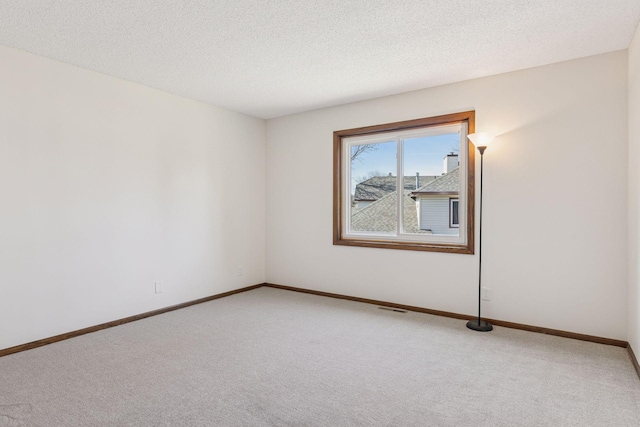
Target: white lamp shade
(481, 139)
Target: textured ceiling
(272, 58)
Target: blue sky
(422, 155)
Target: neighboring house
(377, 187)
(380, 216)
(437, 204)
(431, 207)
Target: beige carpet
(270, 357)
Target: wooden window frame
(467, 247)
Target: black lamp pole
(479, 324)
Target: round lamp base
(481, 325)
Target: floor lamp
(481, 140)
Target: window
(406, 185)
(453, 213)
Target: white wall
(106, 187)
(555, 249)
(634, 194)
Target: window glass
(435, 160)
(373, 184)
(405, 185)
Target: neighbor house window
(453, 213)
(406, 185)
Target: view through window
(405, 185)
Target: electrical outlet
(240, 271)
(486, 294)
(159, 287)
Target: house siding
(434, 215)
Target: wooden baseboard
(370, 301)
(560, 333)
(61, 337)
(548, 331)
(556, 332)
(634, 360)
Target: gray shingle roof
(381, 216)
(379, 186)
(447, 183)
